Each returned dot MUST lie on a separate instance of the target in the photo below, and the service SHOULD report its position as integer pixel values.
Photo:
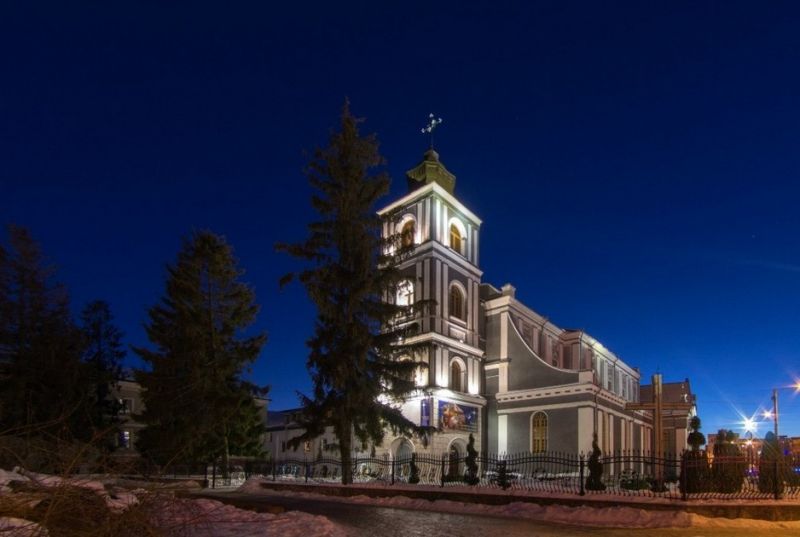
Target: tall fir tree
(42, 393)
(353, 361)
(197, 406)
(103, 354)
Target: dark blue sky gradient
(635, 164)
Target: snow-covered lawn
(633, 515)
(183, 516)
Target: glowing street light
(750, 425)
(774, 413)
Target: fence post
(214, 475)
(393, 461)
(308, 467)
(683, 476)
(582, 472)
(444, 458)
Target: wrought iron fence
(630, 473)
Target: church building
(496, 368)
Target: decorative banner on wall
(455, 417)
(425, 413)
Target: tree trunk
(345, 444)
(225, 458)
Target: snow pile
(698, 521)
(210, 518)
(7, 477)
(618, 516)
(21, 528)
(116, 499)
(253, 485)
(196, 517)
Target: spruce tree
(39, 341)
(356, 376)
(103, 354)
(197, 407)
(42, 380)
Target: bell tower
(442, 270)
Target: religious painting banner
(456, 417)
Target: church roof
(430, 170)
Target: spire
(430, 170)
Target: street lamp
(774, 413)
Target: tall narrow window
(456, 303)
(456, 377)
(539, 432)
(407, 234)
(405, 293)
(455, 238)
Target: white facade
(490, 365)
(529, 384)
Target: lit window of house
(125, 406)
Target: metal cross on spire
(433, 122)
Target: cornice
(427, 190)
(445, 341)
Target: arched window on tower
(456, 303)
(407, 234)
(456, 376)
(539, 432)
(455, 238)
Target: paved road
(365, 520)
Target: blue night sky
(636, 165)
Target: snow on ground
(17, 527)
(210, 518)
(620, 516)
(116, 499)
(195, 517)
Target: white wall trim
(502, 434)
